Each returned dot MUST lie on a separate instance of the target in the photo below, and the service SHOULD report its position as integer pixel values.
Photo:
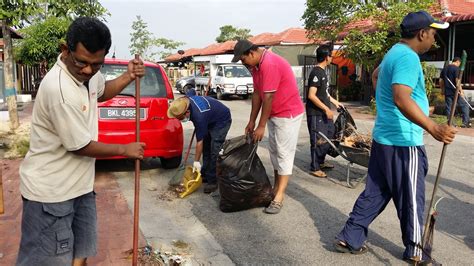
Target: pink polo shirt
(274, 74)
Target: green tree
(229, 32)
(77, 8)
(326, 20)
(144, 43)
(13, 14)
(41, 43)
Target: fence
(27, 79)
(468, 77)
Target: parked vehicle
(184, 84)
(163, 136)
(226, 78)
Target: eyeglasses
(81, 64)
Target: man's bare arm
(411, 110)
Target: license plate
(242, 92)
(120, 113)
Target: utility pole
(10, 91)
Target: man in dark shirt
(212, 121)
(448, 80)
(318, 111)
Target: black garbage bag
(344, 126)
(243, 181)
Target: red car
(163, 136)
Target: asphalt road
(314, 211)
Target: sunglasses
(81, 64)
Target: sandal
(274, 207)
(319, 174)
(343, 247)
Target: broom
(427, 240)
(178, 176)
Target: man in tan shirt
(59, 223)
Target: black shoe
(468, 125)
(210, 187)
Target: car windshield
(151, 85)
(236, 72)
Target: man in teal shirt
(398, 163)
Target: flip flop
(319, 174)
(343, 247)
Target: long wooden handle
(136, 205)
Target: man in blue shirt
(448, 80)
(212, 121)
(398, 163)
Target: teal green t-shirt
(401, 65)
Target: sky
(197, 22)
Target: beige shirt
(64, 120)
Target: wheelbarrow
(352, 155)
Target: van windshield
(236, 72)
(151, 85)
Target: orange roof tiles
(287, 37)
(458, 7)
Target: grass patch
(442, 119)
(15, 144)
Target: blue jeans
(212, 145)
(461, 103)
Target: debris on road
(155, 257)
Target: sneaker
(466, 125)
(210, 187)
(319, 174)
(326, 166)
(274, 207)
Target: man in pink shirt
(277, 96)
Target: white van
(226, 78)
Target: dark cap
(240, 48)
(419, 20)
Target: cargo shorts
(56, 233)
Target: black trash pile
(241, 176)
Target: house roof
(291, 36)
(457, 10)
(14, 34)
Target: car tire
(186, 88)
(170, 163)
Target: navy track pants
(397, 173)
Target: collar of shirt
(63, 66)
